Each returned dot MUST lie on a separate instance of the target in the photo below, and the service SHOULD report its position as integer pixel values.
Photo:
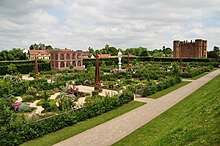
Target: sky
(79, 24)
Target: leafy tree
(40, 46)
(140, 51)
(167, 51)
(91, 50)
(144, 53)
(15, 54)
(49, 47)
(215, 53)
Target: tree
(215, 53)
(15, 54)
(40, 46)
(167, 51)
(144, 53)
(49, 47)
(137, 51)
(91, 50)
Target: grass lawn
(193, 121)
(168, 90)
(70, 131)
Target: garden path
(88, 89)
(190, 80)
(19, 99)
(26, 77)
(117, 128)
(39, 108)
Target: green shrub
(20, 132)
(24, 108)
(28, 98)
(95, 93)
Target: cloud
(78, 24)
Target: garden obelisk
(36, 68)
(97, 74)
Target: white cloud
(79, 24)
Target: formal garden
(35, 107)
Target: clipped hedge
(114, 61)
(151, 89)
(19, 133)
(25, 68)
(196, 72)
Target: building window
(62, 64)
(74, 63)
(67, 64)
(79, 56)
(67, 56)
(56, 57)
(79, 63)
(74, 56)
(56, 64)
(61, 57)
(52, 64)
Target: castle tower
(204, 48)
(198, 47)
(176, 48)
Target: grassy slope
(168, 90)
(193, 121)
(70, 131)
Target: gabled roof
(36, 52)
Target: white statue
(119, 60)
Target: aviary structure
(64, 58)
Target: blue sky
(79, 24)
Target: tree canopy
(40, 46)
(15, 54)
(215, 53)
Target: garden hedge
(19, 133)
(24, 67)
(114, 61)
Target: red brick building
(62, 59)
(196, 49)
(40, 54)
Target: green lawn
(193, 121)
(70, 131)
(168, 90)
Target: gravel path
(117, 128)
